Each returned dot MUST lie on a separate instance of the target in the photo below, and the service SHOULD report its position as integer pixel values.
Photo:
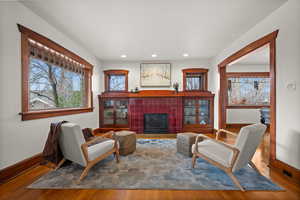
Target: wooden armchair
(86, 154)
(230, 158)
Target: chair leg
(85, 172)
(117, 154)
(60, 164)
(194, 160)
(235, 180)
(253, 166)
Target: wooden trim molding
(26, 113)
(107, 73)
(12, 171)
(53, 113)
(155, 93)
(222, 98)
(53, 45)
(247, 74)
(269, 39)
(249, 48)
(288, 171)
(195, 71)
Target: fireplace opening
(156, 123)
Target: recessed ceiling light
(154, 55)
(123, 56)
(185, 55)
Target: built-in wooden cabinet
(113, 112)
(198, 114)
(187, 111)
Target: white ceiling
(139, 28)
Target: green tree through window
(52, 87)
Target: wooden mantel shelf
(156, 93)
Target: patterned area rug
(154, 165)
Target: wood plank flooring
(16, 188)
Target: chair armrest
(234, 150)
(224, 131)
(85, 145)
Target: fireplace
(156, 123)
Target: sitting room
(150, 99)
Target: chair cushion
(215, 151)
(99, 149)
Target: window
(248, 89)
(55, 80)
(51, 86)
(116, 83)
(116, 80)
(195, 79)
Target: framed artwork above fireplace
(155, 75)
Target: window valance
(42, 52)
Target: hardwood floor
(16, 188)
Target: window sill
(248, 107)
(53, 113)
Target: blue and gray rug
(154, 165)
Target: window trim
(107, 73)
(195, 71)
(26, 114)
(245, 75)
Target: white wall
(245, 116)
(286, 19)
(242, 116)
(176, 71)
(23, 139)
(248, 68)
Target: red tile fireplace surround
(138, 107)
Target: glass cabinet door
(108, 112)
(203, 112)
(190, 111)
(121, 112)
(115, 112)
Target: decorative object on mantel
(154, 165)
(136, 90)
(155, 75)
(176, 86)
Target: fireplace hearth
(156, 123)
